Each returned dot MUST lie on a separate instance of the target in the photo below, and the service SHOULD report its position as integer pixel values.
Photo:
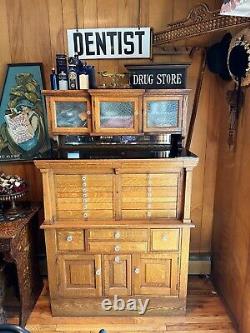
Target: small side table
(17, 244)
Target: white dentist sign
(109, 43)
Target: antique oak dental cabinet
(117, 200)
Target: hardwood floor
(205, 314)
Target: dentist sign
(109, 43)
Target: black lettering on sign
(127, 43)
(140, 34)
(101, 43)
(112, 35)
(89, 42)
(119, 42)
(78, 43)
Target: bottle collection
(72, 74)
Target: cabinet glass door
(70, 116)
(162, 114)
(116, 115)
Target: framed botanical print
(23, 123)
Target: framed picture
(23, 121)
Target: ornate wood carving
(17, 245)
(199, 21)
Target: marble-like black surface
(149, 152)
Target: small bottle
(73, 77)
(62, 81)
(53, 80)
(84, 78)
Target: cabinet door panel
(80, 275)
(116, 115)
(69, 115)
(155, 274)
(117, 275)
(163, 113)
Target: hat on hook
(238, 59)
(217, 57)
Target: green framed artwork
(23, 122)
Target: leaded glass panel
(162, 113)
(116, 114)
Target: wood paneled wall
(35, 30)
(231, 235)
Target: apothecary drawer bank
(117, 227)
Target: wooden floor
(205, 314)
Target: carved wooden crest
(199, 21)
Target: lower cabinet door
(79, 275)
(117, 275)
(155, 274)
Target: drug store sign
(109, 43)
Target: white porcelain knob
(137, 270)
(117, 259)
(117, 234)
(69, 238)
(98, 272)
(164, 237)
(117, 248)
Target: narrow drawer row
(115, 241)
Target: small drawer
(118, 234)
(165, 239)
(117, 247)
(70, 240)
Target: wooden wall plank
(14, 16)
(34, 45)
(56, 30)
(4, 42)
(231, 234)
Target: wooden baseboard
(158, 306)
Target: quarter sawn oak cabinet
(117, 227)
(116, 111)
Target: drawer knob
(117, 248)
(164, 237)
(117, 259)
(98, 272)
(117, 234)
(69, 238)
(85, 215)
(137, 270)
(88, 112)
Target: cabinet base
(157, 306)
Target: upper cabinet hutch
(116, 111)
(117, 224)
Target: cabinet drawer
(117, 247)
(70, 240)
(85, 215)
(150, 179)
(165, 239)
(131, 214)
(120, 234)
(71, 182)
